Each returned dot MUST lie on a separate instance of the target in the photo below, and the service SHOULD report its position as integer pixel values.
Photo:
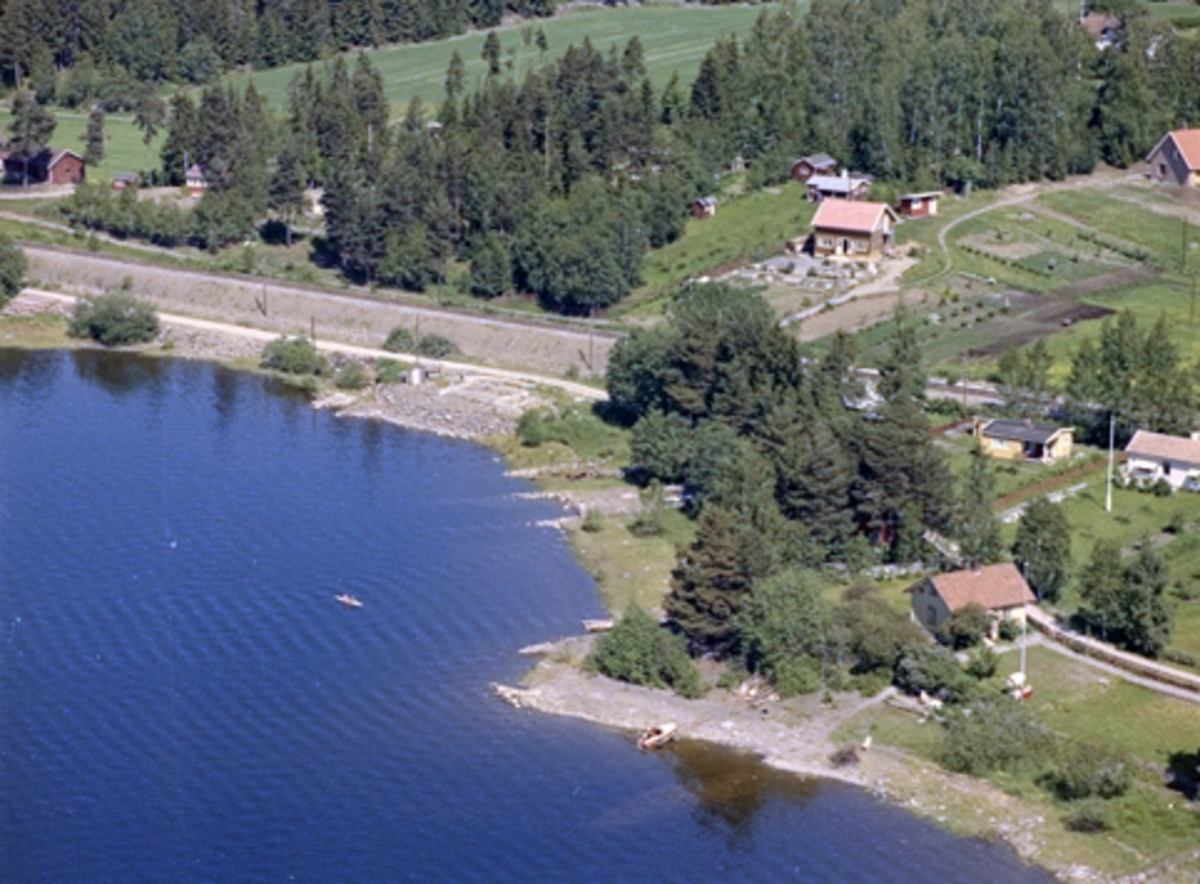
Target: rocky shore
(802, 737)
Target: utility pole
(1192, 311)
(1111, 437)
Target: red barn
(46, 167)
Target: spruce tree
(491, 268)
(286, 192)
(491, 53)
(369, 98)
(901, 375)
(183, 133)
(95, 137)
(1042, 549)
(31, 127)
(712, 580)
(456, 76)
(978, 528)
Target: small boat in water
(657, 736)
(348, 600)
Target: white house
(1153, 456)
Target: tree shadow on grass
(1183, 768)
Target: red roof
(1188, 142)
(993, 586)
(850, 215)
(1159, 447)
(1099, 22)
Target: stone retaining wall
(345, 317)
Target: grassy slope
(126, 152)
(744, 226)
(1150, 822)
(674, 39)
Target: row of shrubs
(1133, 253)
(119, 319)
(402, 340)
(300, 358)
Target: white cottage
(1153, 456)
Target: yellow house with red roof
(849, 229)
(1177, 158)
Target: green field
(126, 152)
(674, 38)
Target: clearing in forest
(674, 39)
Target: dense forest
(557, 183)
(109, 44)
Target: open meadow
(674, 39)
(126, 150)
(753, 225)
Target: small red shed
(918, 205)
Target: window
(931, 615)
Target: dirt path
(1131, 667)
(1023, 193)
(580, 391)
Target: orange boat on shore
(349, 601)
(657, 737)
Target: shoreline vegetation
(802, 735)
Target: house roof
(1097, 23)
(858, 217)
(818, 160)
(1156, 446)
(707, 201)
(927, 195)
(992, 586)
(1003, 428)
(837, 183)
(59, 155)
(1188, 143)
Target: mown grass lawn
(674, 38)
(1150, 823)
(125, 149)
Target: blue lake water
(182, 700)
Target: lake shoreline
(561, 688)
(801, 745)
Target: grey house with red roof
(998, 589)
(1176, 159)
